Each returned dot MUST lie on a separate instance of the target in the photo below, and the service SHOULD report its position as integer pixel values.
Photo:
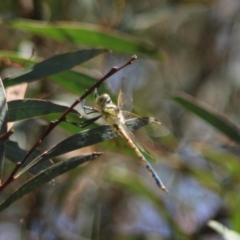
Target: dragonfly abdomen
(131, 144)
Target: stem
(6, 135)
(52, 125)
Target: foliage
(188, 46)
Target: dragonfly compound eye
(103, 99)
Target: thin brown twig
(53, 124)
(6, 135)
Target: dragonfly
(116, 116)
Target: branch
(53, 124)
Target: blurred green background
(182, 46)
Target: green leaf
(3, 124)
(75, 81)
(89, 35)
(46, 176)
(209, 115)
(17, 58)
(15, 154)
(224, 231)
(30, 108)
(54, 65)
(228, 161)
(84, 139)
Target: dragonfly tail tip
(164, 189)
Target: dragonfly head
(102, 100)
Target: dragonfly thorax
(109, 110)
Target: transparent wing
(125, 103)
(154, 128)
(141, 152)
(134, 140)
(125, 100)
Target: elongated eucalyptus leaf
(15, 154)
(54, 65)
(89, 35)
(75, 81)
(209, 114)
(46, 176)
(11, 57)
(3, 125)
(31, 108)
(84, 139)
(226, 233)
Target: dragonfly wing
(125, 100)
(141, 152)
(135, 140)
(154, 128)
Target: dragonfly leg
(87, 108)
(84, 124)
